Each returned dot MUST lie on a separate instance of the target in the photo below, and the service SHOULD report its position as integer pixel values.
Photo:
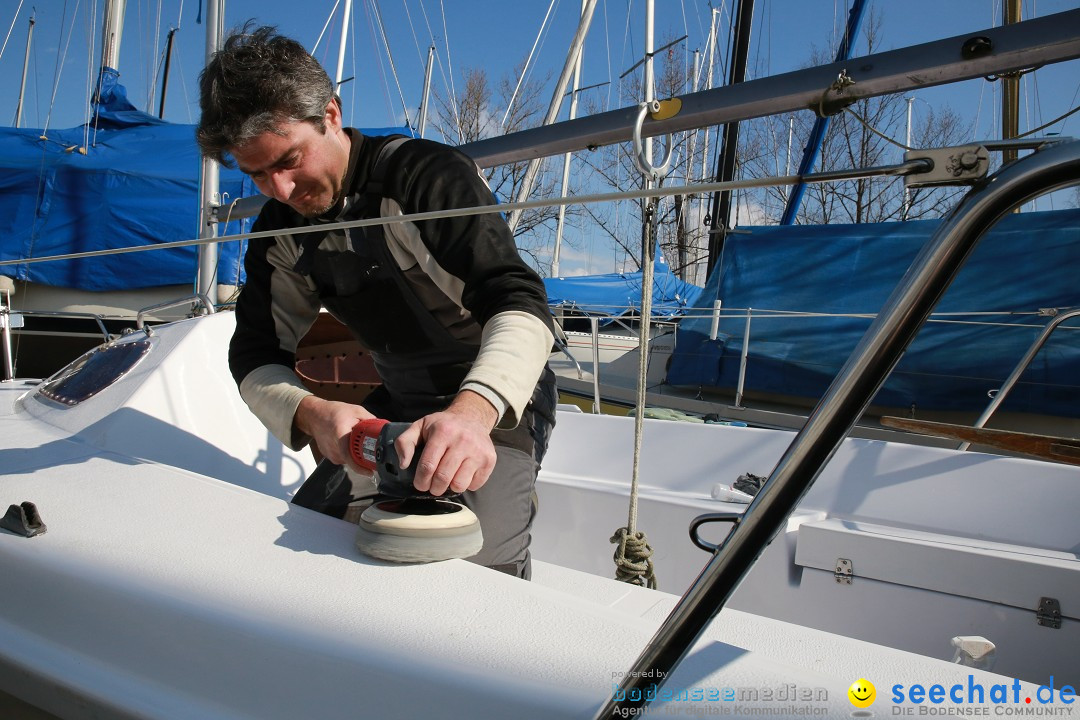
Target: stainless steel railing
(748, 314)
(1014, 376)
(10, 320)
(200, 298)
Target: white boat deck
(943, 544)
(163, 590)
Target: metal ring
(656, 172)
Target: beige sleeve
(513, 351)
(514, 345)
(273, 393)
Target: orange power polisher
(407, 526)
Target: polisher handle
(364, 442)
(371, 445)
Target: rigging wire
(1076, 93)
(449, 63)
(44, 132)
(528, 62)
(60, 59)
(37, 85)
(721, 57)
(628, 38)
(390, 57)
(443, 72)
(153, 87)
(140, 37)
(352, 51)
(326, 50)
(767, 28)
(91, 44)
(1024, 91)
(416, 43)
(151, 65)
(183, 82)
(607, 46)
(1056, 120)
(543, 39)
(412, 29)
(1039, 113)
(13, 21)
(978, 111)
(326, 24)
(379, 60)
(685, 25)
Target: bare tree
(475, 114)
(854, 139)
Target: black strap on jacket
(373, 190)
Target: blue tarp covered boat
(1026, 263)
(127, 179)
(616, 294)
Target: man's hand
(330, 422)
(458, 453)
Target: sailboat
(796, 299)
(174, 579)
(124, 179)
(161, 571)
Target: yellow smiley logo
(862, 693)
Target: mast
(341, 46)
(817, 132)
(702, 198)
(566, 162)
(26, 63)
(422, 122)
(1010, 89)
(907, 141)
(112, 31)
(165, 75)
(648, 205)
(708, 86)
(556, 103)
(683, 201)
(206, 280)
(725, 162)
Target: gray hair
(256, 82)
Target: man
(456, 323)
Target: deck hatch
(94, 371)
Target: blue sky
(493, 34)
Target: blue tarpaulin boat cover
(617, 294)
(1024, 264)
(136, 185)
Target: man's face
(301, 167)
